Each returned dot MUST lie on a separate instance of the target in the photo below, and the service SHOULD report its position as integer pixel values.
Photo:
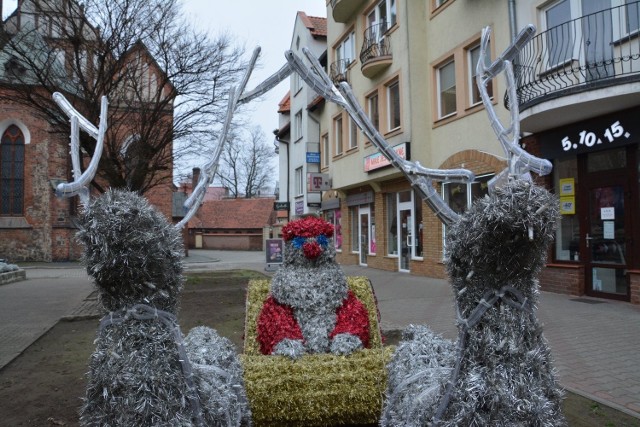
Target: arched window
(12, 172)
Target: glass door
(365, 226)
(405, 225)
(597, 34)
(606, 241)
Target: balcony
(566, 72)
(343, 10)
(375, 55)
(339, 71)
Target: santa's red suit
(277, 322)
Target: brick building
(35, 225)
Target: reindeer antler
(520, 163)
(421, 178)
(208, 171)
(81, 180)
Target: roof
(284, 106)
(317, 25)
(235, 214)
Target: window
(12, 172)
(299, 182)
(567, 241)
(473, 56)
(355, 228)
(447, 89)
(353, 134)
(298, 126)
(383, 17)
(392, 224)
(418, 226)
(337, 129)
(346, 51)
(295, 83)
(633, 16)
(325, 150)
(374, 111)
(393, 98)
(559, 37)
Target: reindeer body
(504, 374)
(140, 372)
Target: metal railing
(376, 43)
(339, 71)
(597, 50)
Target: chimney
(195, 178)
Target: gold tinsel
(318, 389)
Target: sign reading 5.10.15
(590, 139)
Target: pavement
(595, 342)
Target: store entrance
(607, 242)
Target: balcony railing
(339, 70)
(376, 43)
(597, 50)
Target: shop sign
(318, 182)
(313, 157)
(330, 204)
(280, 206)
(377, 160)
(360, 199)
(299, 207)
(601, 133)
(275, 251)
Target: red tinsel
(353, 319)
(277, 322)
(306, 227)
(312, 250)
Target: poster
(608, 229)
(275, 251)
(567, 205)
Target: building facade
(411, 65)
(300, 117)
(35, 225)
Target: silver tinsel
(501, 373)
(315, 289)
(140, 373)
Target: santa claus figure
(310, 308)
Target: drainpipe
(513, 24)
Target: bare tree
(164, 79)
(245, 165)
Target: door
(365, 235)
(607, 240)
(405, 225)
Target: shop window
(447, 89)
(392, 225)
(334, 216)
(12, 146)
(355, 227)
(393, 107)
(418, 227)
(372, 232)
(567, 241)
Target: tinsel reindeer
(499, 371)
(143, 372)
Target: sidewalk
(595, 343)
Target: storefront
(596, 178)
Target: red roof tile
(284, 106)
(317, 25)
(235, 214)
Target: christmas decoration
(310, 309)
(316, 389)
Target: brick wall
(563, 279)
(634, 284)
